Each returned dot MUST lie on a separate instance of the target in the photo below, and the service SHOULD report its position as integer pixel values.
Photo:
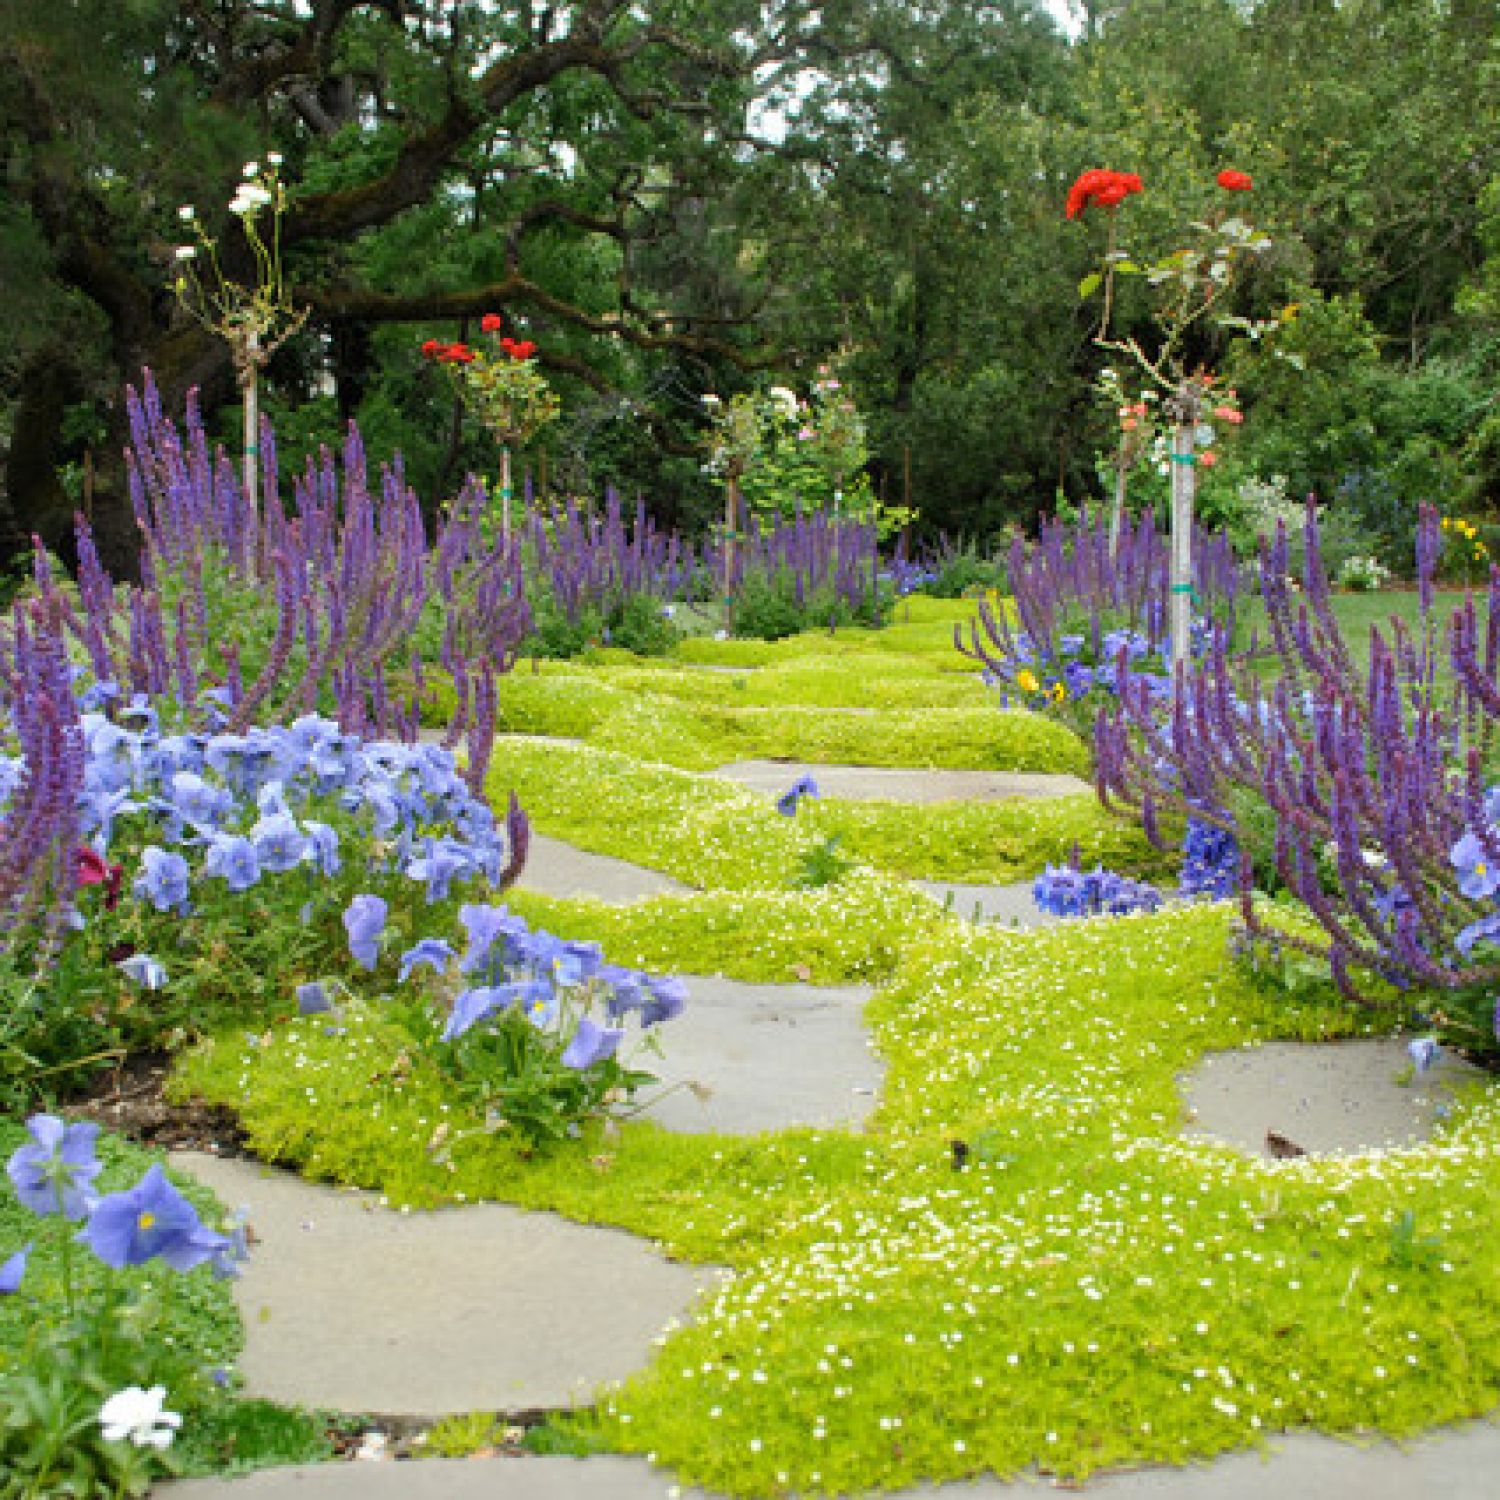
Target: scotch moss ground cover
(1092, 1290)
(718, 835)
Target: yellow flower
(1059, 692)
(1026, 681)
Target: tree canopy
(676, 196)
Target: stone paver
(352, 1306)
(1009, 905)
(764, 1056)
(554, 868)
(875, 783)
(1455, 1464)
(1324, 1097)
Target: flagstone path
(1009, 905)
(1329, 1097)
(353, 1306)
(554, 868)
(749, 1057)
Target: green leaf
(1090, 284)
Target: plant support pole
(251, 394)
(1117, 511)
(505, 490)
(731, 511)
(1181, 577)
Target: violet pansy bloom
(591, 1044)
(151, 1221)
(13, 1272)
(434, 952)
(364, 921)
(144, 970)
(53, 1174)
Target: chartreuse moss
(1091, 1290)
(847, 932)
(692, 726)
(716, 834)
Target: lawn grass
(1357, 613)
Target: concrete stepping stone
(1457, 1463)
(743, 1058)
(353, 1306)
(1009, 905)
(1326, 1097)
(555, 868)
(900, 784)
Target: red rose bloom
(431, 349)
(524, 350)
(457, 354)
(1234, 182)
(1101, 188)
(491, 322)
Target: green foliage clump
(771, 607)
(965, 572)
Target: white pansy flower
(139, 1417)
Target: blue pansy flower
(591, 1044)
(1478, 878)
(364, 921)
(279, 843)
(1485, 930)
(1423, 1051)
(803, 786)
(144, 971)
(199, 802)
(163, 880)
(434, 952)
(666, 997)
(53, 1175)
(322, 848)
(440, 865)
(312, 999)
(151, 1221)
(13, 1272)
(485, 926)
(472, 1006)
(232, 858)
